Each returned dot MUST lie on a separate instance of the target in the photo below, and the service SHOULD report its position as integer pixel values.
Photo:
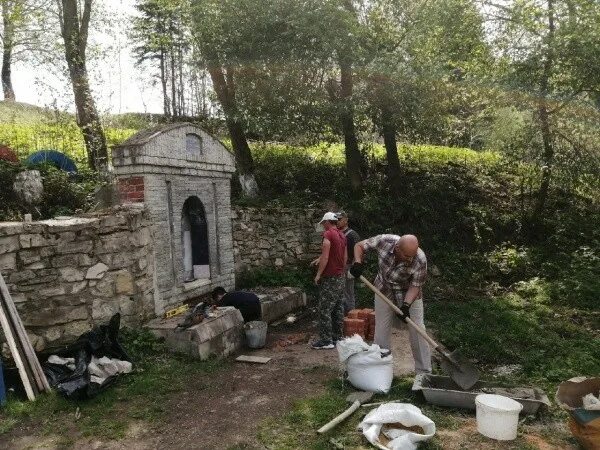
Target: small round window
(193, 144)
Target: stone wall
(66, 276)
(275, 237)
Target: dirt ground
(224, 410)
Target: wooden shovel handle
(409, 321)
(343, 416)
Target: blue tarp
(54, 157)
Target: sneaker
(418, 382)
(322, 345)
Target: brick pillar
(131, 189)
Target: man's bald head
(407, 247)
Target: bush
(63, 194)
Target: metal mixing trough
(442, 391)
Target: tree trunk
(544, 118)
(163, 82)
(7, 48)
(225, 90)
(75, 34)
(173, 84)
(391, 152)
(353, 157)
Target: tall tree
(74, 24)
(347, 51)
(10, 11)
(161, 35)
(234, 36)
(416, 49)
(547, 46)
(23, 34)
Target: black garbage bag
(100, 341)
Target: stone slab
(218, 336)
(277, 302)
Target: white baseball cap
(329, 216)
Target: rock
(37, 342)
(28, 187)
(124, 283)
(9, 244)
(278, 262)
(32, 240)
(52, 291)
(76, 288)
(96, 272)
(103, 310)
(53, 334)
(8, 261)
(103, 288)
(71, 274)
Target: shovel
(462, 371)
(356, 398)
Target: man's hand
(405, 308)
(317, 279)
(356, 269)
(315, 262)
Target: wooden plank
(253, 359)
(12, 344)
(32, 359)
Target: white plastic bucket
(256, 333)
(497, 416)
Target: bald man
(402, 270)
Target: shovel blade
(462, 371)
(359, 396)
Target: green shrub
(64, 194)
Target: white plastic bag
(351, 345)
(392, 413)
(367, 370)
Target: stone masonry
(165, 167)
(275, 237)
(66, 276)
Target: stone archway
(194, 237)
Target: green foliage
(509, 262)
(267, 277)
(63, 193)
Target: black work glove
(405, 308)
(356, 269)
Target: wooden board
(253, 359)
(12, 344)
(32, 361)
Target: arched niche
(194, 237)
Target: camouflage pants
(331, 307)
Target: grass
(140, 396)
(297, 428)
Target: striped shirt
(396, 276)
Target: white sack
(368, 371)
(406, 414)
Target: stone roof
(146, 135)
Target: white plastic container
(497, 416)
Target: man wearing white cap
(330, 279)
